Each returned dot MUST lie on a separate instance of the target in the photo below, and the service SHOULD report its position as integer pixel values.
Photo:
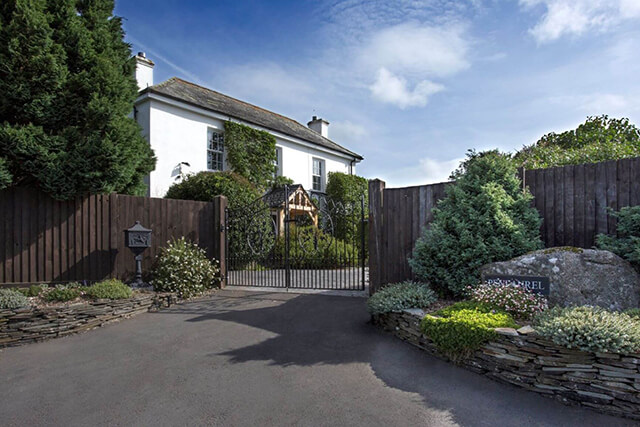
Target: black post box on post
(138, 238)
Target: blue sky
(411, 85)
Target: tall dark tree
(67, 87)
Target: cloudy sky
(411, 85)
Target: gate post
(376, 196)
(220, 236)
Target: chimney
(319, 125)
(144, 71)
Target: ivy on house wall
(251, 153)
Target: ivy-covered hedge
(251, 153)
(204, 186)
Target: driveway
(248, 358)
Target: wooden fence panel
(573, 202)
(49, 241)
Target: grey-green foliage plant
(486, 216)
(10, 299)
(401, 296)
(590, 329)
(67, 87)
(184, 268)
(626, 242)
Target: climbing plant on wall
(251, 153)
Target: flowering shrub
(184, 268)
(633, 312)
(590, 329)
(515, 300)
(12, 299)
(463, 327)
(400, 296)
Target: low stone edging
(27, 325)
(606, 382)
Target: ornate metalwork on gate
(290, 239)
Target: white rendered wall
(178, 135)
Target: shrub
(310, 247)
(109, 289)
(590, 329)
(63, 293)
(32, 291)
(401, 296)
(626, 242)
(633, 312)
(484, 217)
(184, 268)
(10, 299)
(598, 139)
(460, 329)
(519, 302)
(248, 215)
(345, 193)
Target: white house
(184, 123)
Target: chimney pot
(142, 54)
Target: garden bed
(30, 324)
(606, 382)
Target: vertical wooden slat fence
(49, 241)
(573, 202)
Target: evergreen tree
(67, 87)
(485, 217)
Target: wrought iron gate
(289, 239)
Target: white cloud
(347, 132)
(427, 171)
(417, 49)
(394, 90)
(597, 103)
(576, 17)
(270, 80)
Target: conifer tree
(485, 217)
(67, 88)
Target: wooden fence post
(219, 227)
(376, 193)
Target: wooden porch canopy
(299, 202)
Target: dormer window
(215, 150)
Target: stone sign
(536, 284)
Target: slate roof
(199, 96)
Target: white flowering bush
(184, 268)
(400, 296)
(590, 329)
(12, 299)
(515, 300)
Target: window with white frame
(215, 150)
(317, 175)
(278, 162)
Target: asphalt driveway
(257, 359)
